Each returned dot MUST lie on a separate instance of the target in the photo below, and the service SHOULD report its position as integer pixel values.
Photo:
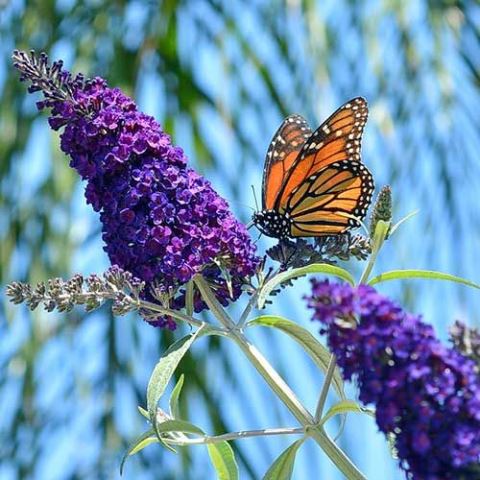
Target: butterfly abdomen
(273, 224)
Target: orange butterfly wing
(327, 184)
(282, 153)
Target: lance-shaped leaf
(140, 443)
(174, 410)
(428, 274)
(346, 406)
(223, 460)
(282, 467)
(323, 268)
(178, 426)
(317, 352)
(164, 370)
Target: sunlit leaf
(175, 397)
(317, 352)
(346, 406)
(140, 443)
(282, 467)
(315, 268)
(223, 460)
(427, 274)
(164, 370)
(178, 426)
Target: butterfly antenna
(255, 197)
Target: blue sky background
(407, 58)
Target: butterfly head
(272, 223)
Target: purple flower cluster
(426, 394)
(162, 221)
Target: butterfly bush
(426, 394)
(161, 220)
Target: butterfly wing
(328, 185)
(281, 155)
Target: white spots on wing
(326, 129)
(312, 146)
(338, 133)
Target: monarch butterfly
(314, 184)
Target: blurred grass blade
(323, 268)
(223, 460)
(317, 352)
(164, 370)
(282, 467)
(174, 410)
(345, 406)
(428, 274)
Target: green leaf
(346, 406)
(144, 412)
(298, 272)
(223, 460)
(401, 221)
(282, 467)
(178, 426)
(164, 370)
(411, 274)
(317, 352)
(175, 396)
(139, 444)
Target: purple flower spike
(161, 220)
(426, 394)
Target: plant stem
(237, 436)
(278, 385)
(325, 388)
(248, 309)
(381, 231)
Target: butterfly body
(273, 224)
(314, 183)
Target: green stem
(278, 385)
(325, 388)
(226, 437)
(381, 231)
